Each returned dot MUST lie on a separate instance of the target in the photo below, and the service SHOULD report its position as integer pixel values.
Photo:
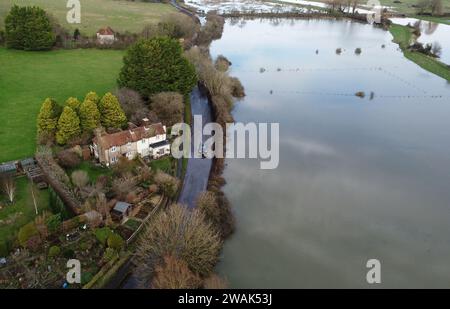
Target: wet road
(197, 173)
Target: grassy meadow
(27, 78)
(120, 15)
(402, 36)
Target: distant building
(121, 210)
(148, 140)
(106, 36)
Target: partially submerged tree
(182, 234)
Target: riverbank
(403, 36)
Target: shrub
(102, 234)
(80, 178)
(222, 63)
(169, 107)
(109, 255)
(68, 253)
(28, 28)
(132, 104)
(173, 273)
(115, 241)
(53, 223)
(237, 89)
(157, 65)
(180, 233)
(26, 232)
(166, 183)
(54, 251)
(68, 159)
(358, 51)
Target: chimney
(145, 122)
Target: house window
(114, 159)
(113, 149)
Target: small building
(106, 36)
(8, 168)
(121, 210)
(148, 140)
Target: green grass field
(402, 36)
(27, 78)
(121, 15)
(13, 216)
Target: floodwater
(358, 179)
(430, 34)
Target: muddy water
(359, 178)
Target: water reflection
(358, 178)
(430, 33)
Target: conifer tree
(48, 117)
(73, 103)
(68, 126)
(89, 116)
(93, 97)
(112, 115)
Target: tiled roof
(106, 31)
(128, 136)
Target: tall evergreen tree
(29, 28)
(68, 126)
(48, 116)
(92, 96)
(89, 116)
(73, 103)
(157, 65)
(112, 115)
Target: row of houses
(147, 140)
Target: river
(358, 179)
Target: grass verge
(403, 36)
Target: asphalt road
(197, 172)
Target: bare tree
(437, 8)
(132, 104)
(166, 183)
(80, 179)
(180, 233)
(215, 282)
(8, 186)
(173, 273)
(168, 106)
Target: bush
(102, 234)
(28, 28)
(157, 65)
(54, 223)
(132, 104)
(68, 253)
(173, 273)
(26, 232)
(80, 178)
(182, 234)
(166, 183)
(169, 107)
(54, 251)
(115, 241)
(109, 255)
(68, 159)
